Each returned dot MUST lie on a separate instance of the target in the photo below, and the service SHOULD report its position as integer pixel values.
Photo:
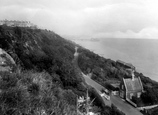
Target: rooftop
(133, 85)
(124, 63)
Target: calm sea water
(142, 53)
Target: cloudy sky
(88, 18)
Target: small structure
(130, 87)
(124, 64)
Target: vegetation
(33, 93)
(48, 82)
(102, 70)
(44, 80)
(153, 111)
(150, 96)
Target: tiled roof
(133, 85)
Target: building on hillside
(124, 64)
(15, 23)
(130, 87)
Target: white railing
(147, 107)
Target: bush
(33, 89)
(98, 99)
(137, 101)
(115, 111)
(70, 97)
(8, 80)
(31, 93)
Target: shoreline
(143, 65)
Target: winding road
(117, 101)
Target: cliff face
(6, 61)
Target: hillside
(37, 66)
(42, 78)
(31, 53)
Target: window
(138, 95)
(122, 86)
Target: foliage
(150, 96)
(153, 111)
(115, 111)
(102, 69)
(138, 101)
(49, 81)
(31, 93)
(42, 51)
(112, 111)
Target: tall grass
(31, 93)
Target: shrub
(31, 93)
(70, 97)
(34, 89)
(7, 80)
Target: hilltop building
(14, 23)
(130, 87)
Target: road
(124, 106)
(97, 86)
(118, 102)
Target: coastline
(143, 57)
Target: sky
(88, 18)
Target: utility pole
(77, 105)
(87, 104)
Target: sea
(142, 53)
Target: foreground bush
(31, 93)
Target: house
(130, 87)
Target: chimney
(76, 48)
(132, 74)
